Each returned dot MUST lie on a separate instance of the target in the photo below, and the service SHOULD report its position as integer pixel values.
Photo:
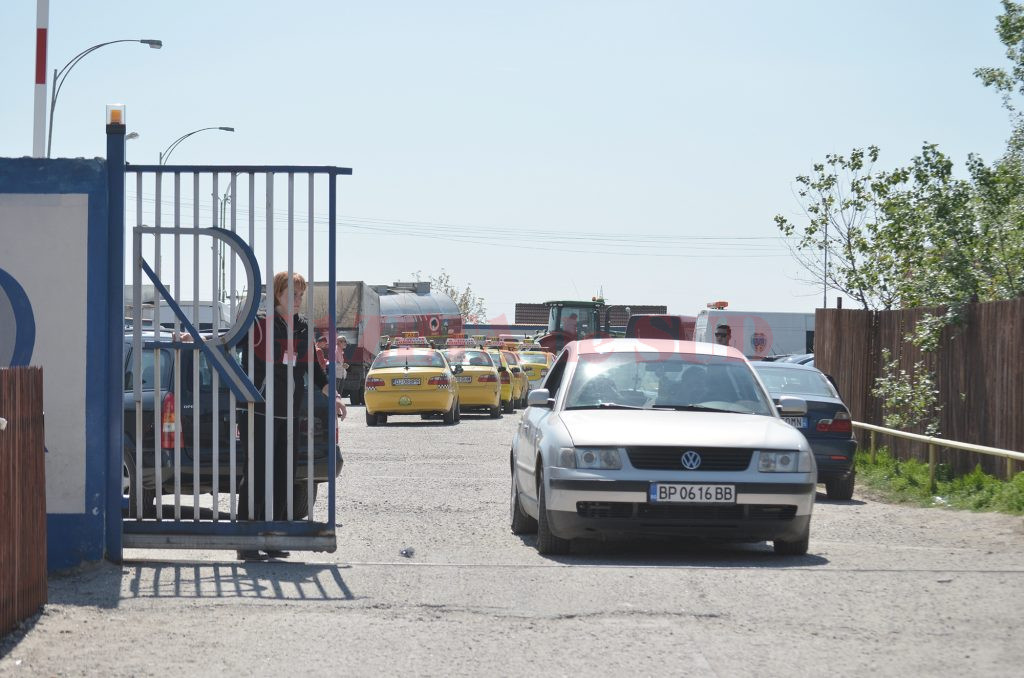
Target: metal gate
(193, 416)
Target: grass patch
(906, 482)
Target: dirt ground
(884, 591)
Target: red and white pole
(39, 118)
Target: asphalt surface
(884, 591)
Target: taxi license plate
(464, 380)
(405, 382)
(671, 493)
(796, 422)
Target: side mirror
(457, 369)
(789, 406)
(515, 370)
(502, 368)
(540, 397)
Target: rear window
(533, 359)
(148, 370)
(464, 357)
(408, 357)
(780, 380)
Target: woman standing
(290, 349)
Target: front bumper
(589, 507)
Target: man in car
(723, 334)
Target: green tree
(470, 305)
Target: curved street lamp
(60, 76)
(174, 144)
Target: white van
(759, 335)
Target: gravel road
(884, 591)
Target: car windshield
(679, 381)
(534, 358)
(468, 357)
(408, 357)
(783, 381)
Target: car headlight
(590, 457)
(790, 461)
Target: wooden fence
(978, 368)
(22, 496)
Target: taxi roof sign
(461, 341)
(409, 341)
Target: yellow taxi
(520, 380)
(479, 384)
(535, 364)
(509, 387)
(411, 378)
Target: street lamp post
(174, 144)
(60, 76)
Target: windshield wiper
(606, 406)
(692, 407)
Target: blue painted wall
(76, 536)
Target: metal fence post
(931, 467)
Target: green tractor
(574, 320)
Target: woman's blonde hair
(281, 285)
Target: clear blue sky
(658, 137)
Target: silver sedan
(657, 437)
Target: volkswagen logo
(691, 460)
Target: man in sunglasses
(723, 334)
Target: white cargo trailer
(759, 334)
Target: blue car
(827, 425)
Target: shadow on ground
(679, 553)
(106, 585)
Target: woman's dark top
(291, 347)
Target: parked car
(827, 425)
(799, 359)
(478, 380)
(158, 408)
(412, 378)
(629, 437)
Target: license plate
(405, 382)
(666, 493)
(464, 380)
(796, 422)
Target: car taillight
(374, 382)
(840, 423)
(487, 379)
(168, 425)
(440, 380)
(505, 379)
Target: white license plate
(405, 382)
(672, 493)
(464, 380)
(796, 422)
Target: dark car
(827, 426)
(660, 326)
(160, 407)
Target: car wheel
(371, 419)
(458, 411)
(507, 407)
(547, 543)
(449, 416)
(798, 547)
(520, 522)
(382, 419)
(840, 489)
(300, 499)
(495, 411)
(128, 478)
